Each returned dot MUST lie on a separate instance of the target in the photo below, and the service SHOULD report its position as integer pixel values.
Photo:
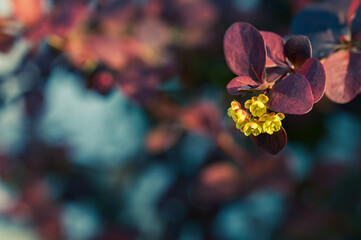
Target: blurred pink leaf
(343, 69)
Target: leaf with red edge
(356, 22)
(352, 11)
(245, 51)
(292, 95)
(298, 50)
(313, 71)
(240, 82)
(274, 47)
(343, 71)
(272, 144)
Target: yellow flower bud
(262, 98)
(235, 105)
(248, 103)
(235, 111)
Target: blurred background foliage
(113, 126)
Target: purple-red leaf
(292, 95)
(272, 144)
(343, 71)
(245, 51)
(298, 50)
(312, 69)
(274, 73)
(240, 82)
(274, 47)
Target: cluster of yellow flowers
(258, 120)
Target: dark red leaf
(298, 50)
(245, 51)
(272, 144)
(292, 95)
(274, 47)
(343, 71)
(240, 82)
(274, 73)
(312, 69)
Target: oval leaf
(343, 71)
(292, 95)
(298, 50)
(245, 51)
(274, 47)
(313, 71)
(272, 144)
(240, 82)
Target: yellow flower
(271, 122)
(257, 105)
(251, 127)
(260, 121)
